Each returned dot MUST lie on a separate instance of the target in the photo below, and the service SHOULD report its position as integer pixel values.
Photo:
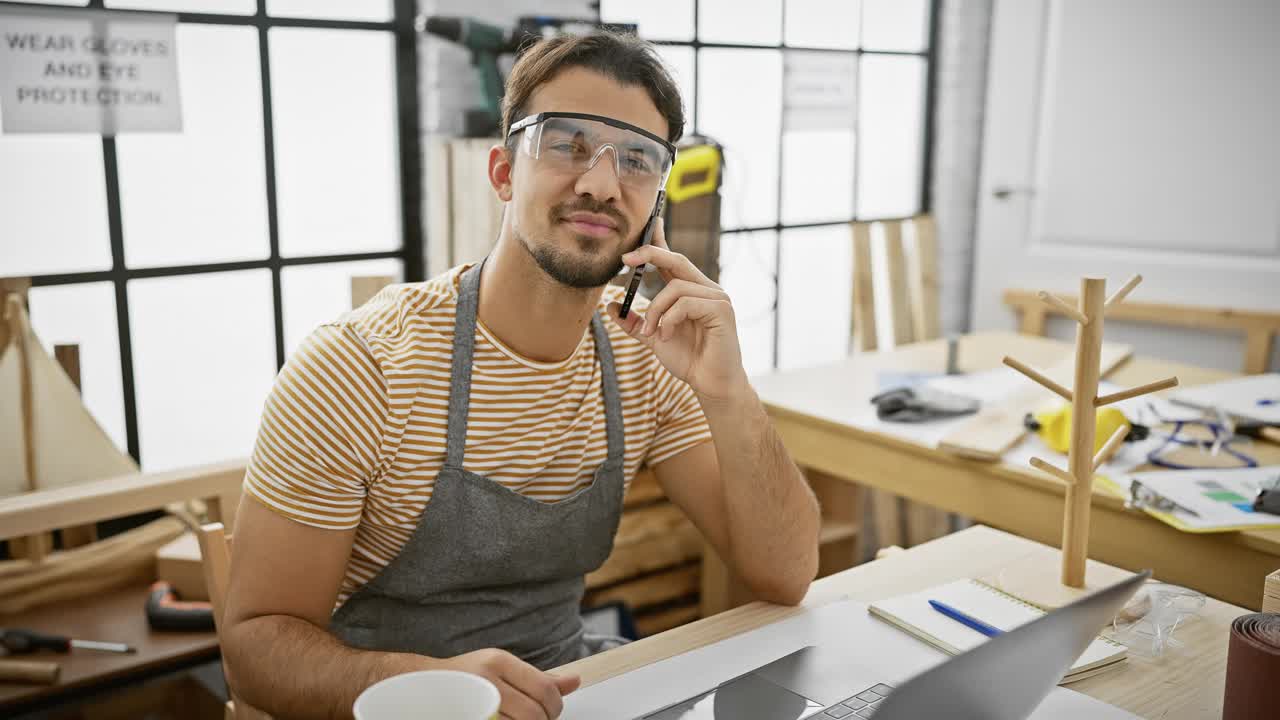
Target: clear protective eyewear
(573, 143)
(1149, 621)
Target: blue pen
(968, 620)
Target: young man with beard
(437, 470)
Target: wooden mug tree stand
(1033, 579)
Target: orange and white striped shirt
(353, 432)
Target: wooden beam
(1257, 350)
(863, 330)
(116, 496)
(68, 357)
(899, 296)
(1031, 319)
(1168, 314)
(924, 279)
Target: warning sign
(65, 71)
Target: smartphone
(638, 273)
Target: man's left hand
(689, 325)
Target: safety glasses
(572, 143)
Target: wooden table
(1179, 687)
(808, 408)
(117, 616)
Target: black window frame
(410, 252)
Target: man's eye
(566, 148)
(639, 165)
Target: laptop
(1002, 679)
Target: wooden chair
(911, 279)
(1259, 328)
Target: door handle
(1002, 192)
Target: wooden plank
(18, 286)
(439, 205)
(1170, 314)
(117, 496)
(1032, 319)
(924, 279)
(1257, 351)
(899, 295)
(649, 538)
(644, 490)
(68, 357)
(364, 287)
(863, 331)
(990, 433)
(661, 621)
(1271, 593)
(647, 590)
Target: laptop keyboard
(862, 705)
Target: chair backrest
(910, 278)
(215, 554)
(1259, 327)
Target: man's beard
(572, 270)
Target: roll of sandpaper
(34, 672)
(1253, 668)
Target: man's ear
(500, 170)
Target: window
(188, 265)
(791, 187)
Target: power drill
(487, 42)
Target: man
(444, 464)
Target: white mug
(429, 695)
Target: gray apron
(487, 566)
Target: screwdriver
(21, 642)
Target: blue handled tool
(967, 620)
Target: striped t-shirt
(353, 432)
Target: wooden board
(863, 331)
(653, 623)
(990, 433)
(899, 293)
(1271, 593)
(648, 539)
(644, 490)
(649, 590)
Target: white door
(1133, 136)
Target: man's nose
(600, 179)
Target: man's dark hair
(623, 57)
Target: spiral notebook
(912, 614)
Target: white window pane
(337, 166)
(204, 358)
(748, 130)
(895, 25)
(317, 294)
(891, 120)
(654, 19)
(816, 294)
(370, 10)
(758, 22)
(679, 61)
(747, 265)
(85, 315)
(822, 23)
(817, 175)
(53, 205)
(224, 7)
(200, 196)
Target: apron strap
(464, 346)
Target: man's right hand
(527, 692)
